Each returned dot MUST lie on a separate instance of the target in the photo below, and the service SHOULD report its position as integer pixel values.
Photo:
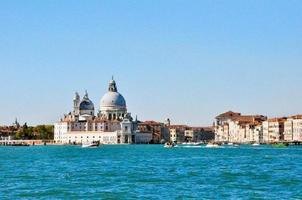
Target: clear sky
(188, 60)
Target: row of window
(105, 138)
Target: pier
(24, 142)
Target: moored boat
(280, 145)
(90, 145)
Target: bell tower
(76, 104)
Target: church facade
(111, 125)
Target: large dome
(112, 100)
(112, 104)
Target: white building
(288, 130)
(112, 125)
(236, 128)
(293, 129)
(273, 130)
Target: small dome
(113, 99)
(86, 105)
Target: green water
(150, 172)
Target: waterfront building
(173, 134)
(288, 130)
(190, 135)
(112, 124)
(183, 133)
(293, 128)
(236, 128)
(177, 133)
(199, 134)
(257, 133)
(273, 130)
(159, 131)
(297, 128)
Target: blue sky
(188, 60)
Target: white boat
(212, 145)
(191, 143)
(230, 144)
(90, 145)
(256, 144)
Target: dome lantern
(112, 86)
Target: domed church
(112, 125)
(113, 105)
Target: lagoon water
(150, 172)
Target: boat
(20, 145)
(169, 145)
(255, 144)
(280, 145)
(192, 143)
(210, 145)
(90, 145)
(230, 144)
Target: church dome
(113, 99)
(86, 103)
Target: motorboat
(192, 143)
(255, 144)
(169, 145)
(211, 145)
(90, 145)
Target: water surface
(150, 172)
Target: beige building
(293, 129)
(288, 130)
(236, 128)
(273, 130)
(177, 135)
(183, 133)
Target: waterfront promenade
(25, 142)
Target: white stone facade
(236, 128)
(273, 130)
(112, 125)
(293, 129)
(232, 127)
